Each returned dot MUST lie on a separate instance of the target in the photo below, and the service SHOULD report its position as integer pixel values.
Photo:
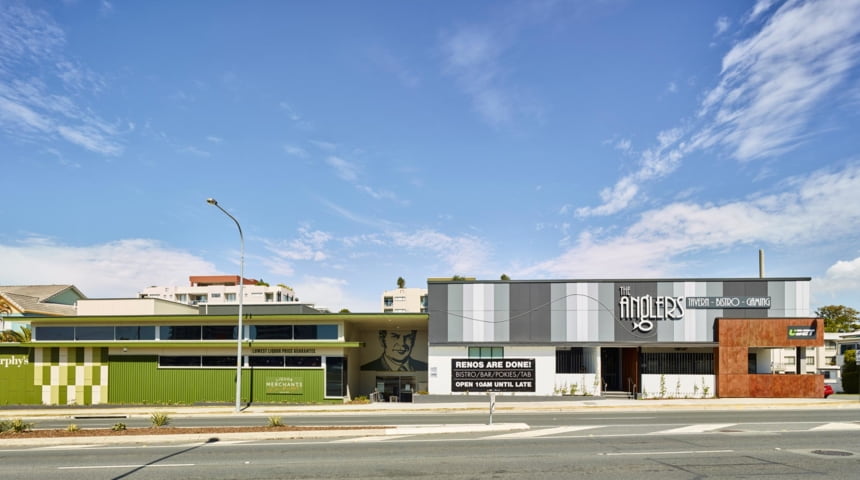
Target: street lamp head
(212, 201)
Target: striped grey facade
(587, 312)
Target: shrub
(73, 427)
(4, 425)
(118, 427)
(275, 421)
(850, 373)
(19, 426)
(159, 419)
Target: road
(784, 444)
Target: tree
(505, 277)
(344, 310)
(839, 318)
(401, 283)
(850, 373)
(23, 336)
(458, 278)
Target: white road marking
(697, 428)
(680, 452)
(371, 439)
(100, 467)
(544, 432)
(837, 426)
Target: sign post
(491, 375)
(492, 405)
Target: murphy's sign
(644, 310)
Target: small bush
(118, 427)
(159, 419)
(275, 421)
(359, 400)
(19, 426)
(4, 425)
(73, 428)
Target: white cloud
(395, 66)
(31, 60)
(347, 171)
(309, 246)
(722, 24)
(295, 151)
(190, 149)
(214, 139)
(473, 54)
(111, 270)
(648, 247)
(843, 276)
(760, 7)
(334, 294)
(463, 255)
(769, 89)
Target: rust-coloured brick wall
(737, 335)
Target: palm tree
(24, 336)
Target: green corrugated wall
(137, 379)
(16, 377)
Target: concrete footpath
(445, 405)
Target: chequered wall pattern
(72, 376)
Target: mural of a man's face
(397, 345)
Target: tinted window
(272, 332)
(219, 332)
(178, 361)
(219, 361)
(180, 332)
(54, 333)
(135, 333)
(266, 361)
(94, 333)
(303, 362)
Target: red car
(828, 391)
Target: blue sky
(357, 142)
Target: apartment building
(405, 300)
(222, 290)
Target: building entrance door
(396, 389)
(619, 368)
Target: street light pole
(212, 201)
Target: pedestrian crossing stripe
(697, 428)
(545, 432)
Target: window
(388, 301)
(266, 361)
(789, 359)
(303, 361)
(230, 297)
(94, 333)
(271, 332)
(135, 333)
(810, 360)
(315, 332)
(679, 363)
(335, 378)
(181, 297)
(179, 361)
(486, 352)
(219, 361)
(573, 360)
(54, 333)
(216, 295)
(184, 332)
(219, 332)
(399, 299)
(423, 300)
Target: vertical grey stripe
(502, 305)
(558, 311)
(455, 312)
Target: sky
(359, 142)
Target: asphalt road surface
(665, 445)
